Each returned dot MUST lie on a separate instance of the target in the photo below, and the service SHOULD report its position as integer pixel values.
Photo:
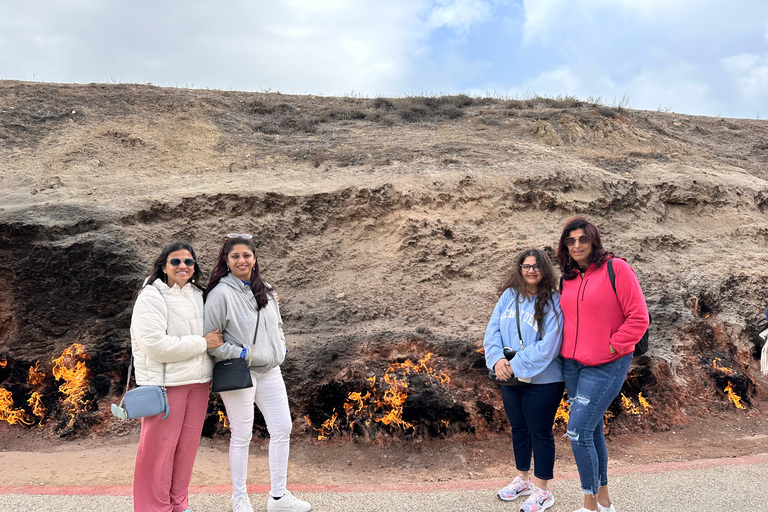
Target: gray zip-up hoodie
(231, 308)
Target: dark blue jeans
(591, 389)
(531, 413)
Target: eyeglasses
(570, 241)
(529, 268)
(240, 235)
(175, 262)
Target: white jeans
(269, 395)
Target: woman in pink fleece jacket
(601, 328)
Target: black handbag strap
(517, 317)
(258, 318)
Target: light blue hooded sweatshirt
(540, 359)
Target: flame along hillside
(385, 225)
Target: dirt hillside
(385, 226)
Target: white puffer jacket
(167, 327)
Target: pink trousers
(167, 450)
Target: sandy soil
(28, 459)
(379, 222)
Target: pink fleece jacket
(600, 325)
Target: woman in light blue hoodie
(528, 320)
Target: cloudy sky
(706, 57)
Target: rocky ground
(385, 226)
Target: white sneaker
(288, 503)
(540, 500)
(606, 509)
(518, 487)
(584, 509)
(242, 504)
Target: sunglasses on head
(175, 262)
(570, 241)
(240, 235)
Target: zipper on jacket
(579, 292)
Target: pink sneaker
(518, 487)
(541, 499)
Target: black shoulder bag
(235, 373)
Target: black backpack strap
(561, 285)
(611, 275)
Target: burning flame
(3, 363)
(733, 397)
(382, 406)
(631, 408)
(223, 419)
(35, 375)
(628, 406)
(643, 402)
(36, 403)
(7, 411)
(481, 350)
(70, 368)
(563, 412)
(727, 371)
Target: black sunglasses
(570, 241)
(175, 262)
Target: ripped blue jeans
(591, 389)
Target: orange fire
(628, 406)
(36, 403)
(563, 412)
(8, 413)
(3, 363)
(382, 405)
(223, 419)
(644, 402)
(481, 350)
(716, 366)
(70, 368)
(35, 375)
(733, 397)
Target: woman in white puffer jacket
(169, 349)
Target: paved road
(696, 486)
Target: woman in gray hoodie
(237, 301)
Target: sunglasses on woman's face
(175, 262)
(240, 235)
(570, 241)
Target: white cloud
(749, 72)
(459, 15)
(552, 19)
(556, 82)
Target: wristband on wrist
(243, 353)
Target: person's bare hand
(214, 339)
(503, 370)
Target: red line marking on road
(126, 490)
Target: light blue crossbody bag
(142, 401)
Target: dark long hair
(220, 269)
(570, 268)
(545, 289)
(157, 266)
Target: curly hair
(545, 289)
(568, 267)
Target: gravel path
(710, 485)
